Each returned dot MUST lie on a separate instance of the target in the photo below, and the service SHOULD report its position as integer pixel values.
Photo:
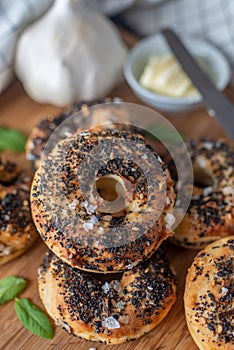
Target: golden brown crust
(17, 231)
(89, 249)
(210, 214)
(41, 133)
(209, 296)
(8, 172)
(88, 307)
(8, 253)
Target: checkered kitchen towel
(212, 20)
(209, 19)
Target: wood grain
(18, 110)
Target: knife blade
(213, 99)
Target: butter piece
(164, 75)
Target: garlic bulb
(14, 16)
(69, 54)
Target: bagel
(17, 231)
(209, 296)
(102, 242)
(8, 253)
(210, 215)
(112, 311)
(41, 133)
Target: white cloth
(113, 7)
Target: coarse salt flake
(88, 226)
(228, 190)
(65, 326)
(202, 163)
(73, 204)
(120, 305)
(207, 190)
(89, 207)
(208, 145)
(67, 133)
(224, 291)
(168, 201)
(117, 99)
(170, 220)
(160, 160)
(100, 230)
(93, 220)
(110, 323)
(106, 287)
(5, 250)
(84, 133)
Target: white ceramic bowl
(156, 44)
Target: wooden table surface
(19, 111)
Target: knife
(220, 106)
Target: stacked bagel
(209, 296)
(99, 289)
(210, 215)
(208, 224)
(105, 277)
(17, 231)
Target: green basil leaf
(10, 287)
(12, 139)
(33, 318)
(165, 133)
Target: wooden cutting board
(19, 111)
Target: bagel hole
(113, 189)
(202, 178)
(106, 188)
